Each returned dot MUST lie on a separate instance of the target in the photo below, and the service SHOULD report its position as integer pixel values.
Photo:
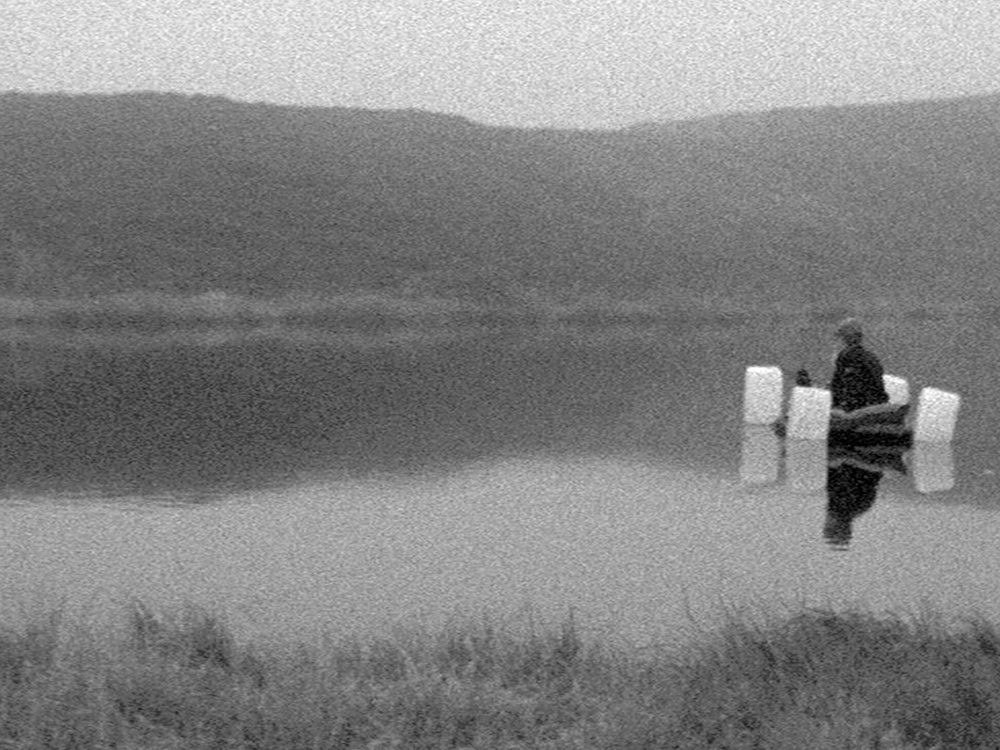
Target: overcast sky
(576, 63)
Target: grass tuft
(849, 679)
(28, 652)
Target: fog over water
(310, 486)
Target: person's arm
(837, 381)
(878, 378)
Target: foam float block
(809, 413)
(763, 393)
(937, 413)
(897, 388)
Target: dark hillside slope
(893, 201)
(189, 194)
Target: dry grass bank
(805, 679)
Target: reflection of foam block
(809, 413)
(760, 455)
(805, 464)
(897, 388)
(937, 412)
(763, 389)
(933, 467)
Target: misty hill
(176, 194)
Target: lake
(303, 484)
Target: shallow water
(316, 486)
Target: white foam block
(760, 456)
(937, 413)
(809, 413)
(897, 388)
(763, 392)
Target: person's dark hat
(849, 330)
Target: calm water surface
(307, 486)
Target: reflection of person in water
(850, 491)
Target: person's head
(849, 331)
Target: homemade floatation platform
(809, 414)
(881, 425)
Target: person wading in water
(857, 374)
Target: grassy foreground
(808, 679)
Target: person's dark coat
(857, 379)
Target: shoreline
(366, 307)
(797, 678)
(379, 319)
